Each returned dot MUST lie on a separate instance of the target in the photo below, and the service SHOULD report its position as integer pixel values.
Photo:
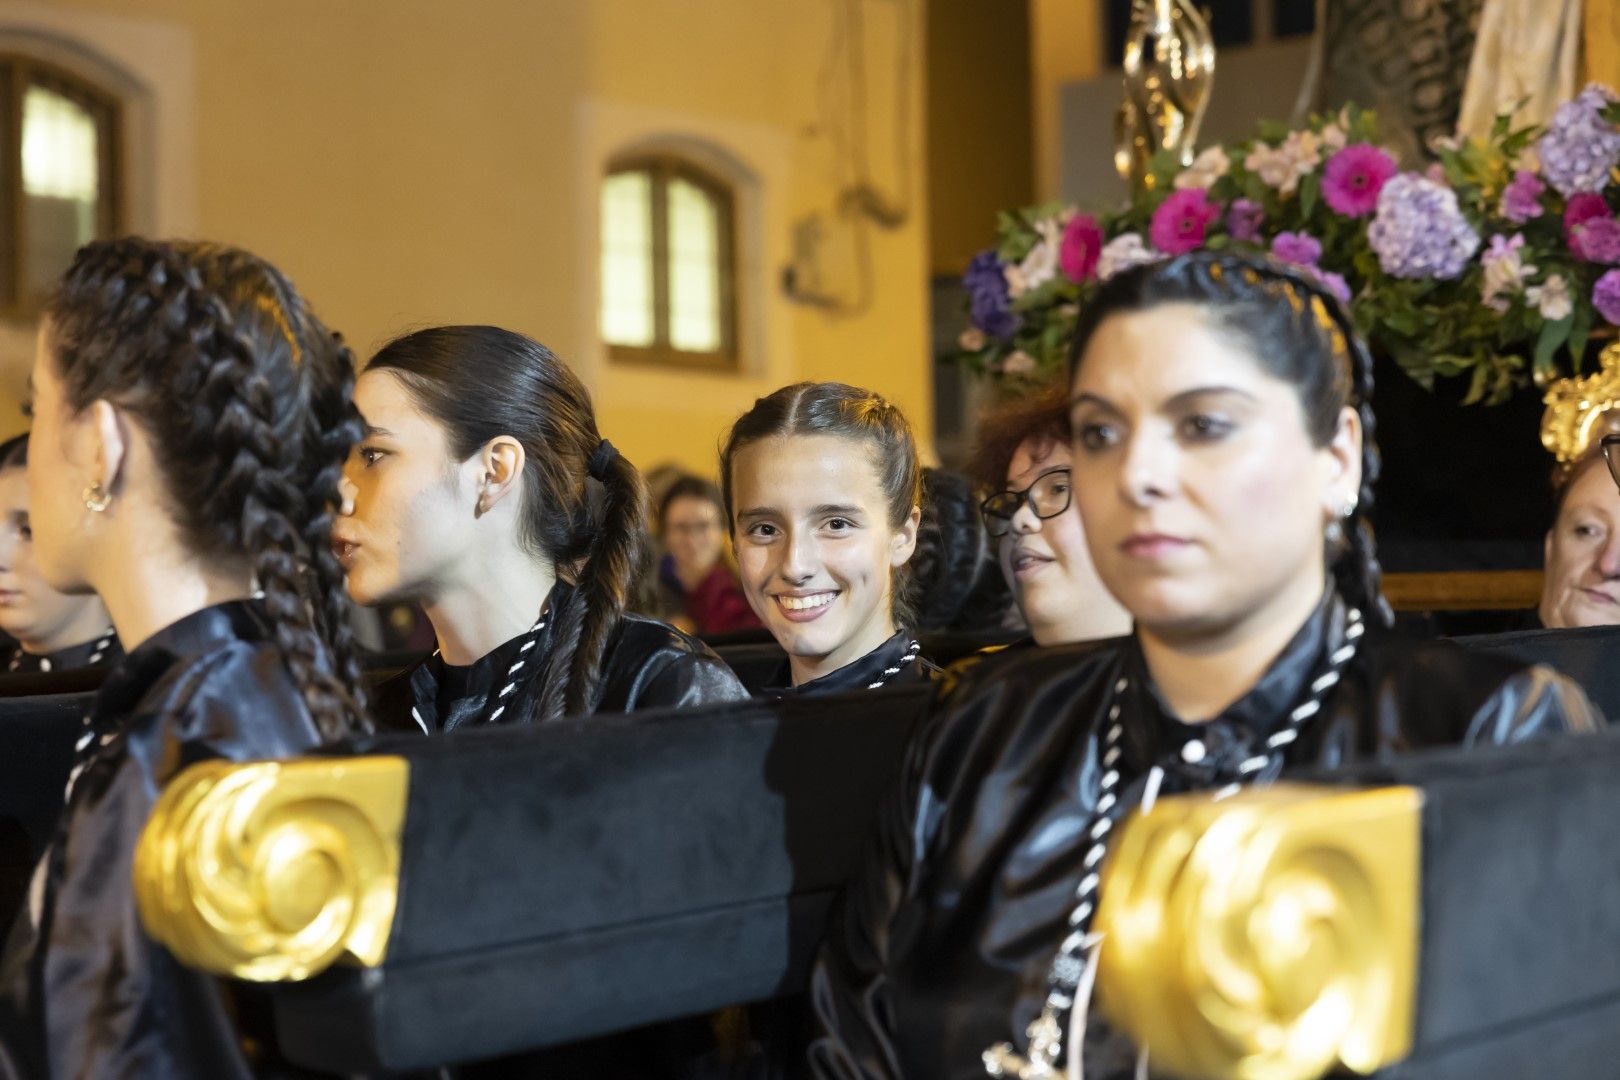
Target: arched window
(668, 264)
(60, 179)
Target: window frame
(661, 170)
(19, 71)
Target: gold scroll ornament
(1272, 935)
(270, 871)
(1169, 69)
(1580, 409)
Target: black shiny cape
(857, 674)
(647, 665)
(84, 993)
(940, 947)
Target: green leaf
(1580, 332)
(1553, 334)
(1310, 189)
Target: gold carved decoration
(1579, 408)
(1273, 934)
(270, 871)
(1169, 69)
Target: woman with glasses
(1024, 457)
(822, 488)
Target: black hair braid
(1309, 322)
(244, 398)
(608, 577)
(263, 483)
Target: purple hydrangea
(1300, 248)
(1580, 146)
(1521, 199)
(1334, 283)
(1243, 220)
(1419, 231)
(991, 307)
(1606, 296)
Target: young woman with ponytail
(191, 419)
(823, 491)
(483, 491)
(1223, 466)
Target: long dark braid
(245, 397)
(1300, 333)
(584, 506)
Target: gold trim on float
(1579, 407)
(1272, 935)
(271, 871)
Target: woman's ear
(905, 539)
(501, 467)
(104, 445)
(1341, 487)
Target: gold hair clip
(273, 309)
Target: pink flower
(1243, 220)
(1597, 241)
(1353, 178)
(1521, 199)
(1179, 222)
(1082, 245)
(1581, 209)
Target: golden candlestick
(1169, 71)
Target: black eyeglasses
(1611, 455)
(1048, 496)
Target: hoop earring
(96, 498)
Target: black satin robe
(84, 993)
(857, 674)
(940, 947)
(647, 665)
(15, 661)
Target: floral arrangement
(1498, 262)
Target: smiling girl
(822, 486)
(483, 491)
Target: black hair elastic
(601, 460)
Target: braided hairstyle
(956, 583)
(246, 398)
(848, 412)
(481, 382)
(1298, 332)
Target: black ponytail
(246, 397)
(585, 506)
(1299, 332)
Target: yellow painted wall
(411, 162)
(1066, 46)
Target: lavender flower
(1521, 199)
(1300, 248)
(1243, 220)
(986, 285)
(1419, 231)
(1606, 296)
(1333, 283)
(1580, 146)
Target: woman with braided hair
(483, 491)
(191, 419)
(1223, 468)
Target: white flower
(1122, 253)
(1018, 362)
(1333, 137)
(1207, 167)
(972, 340)
(1282, 167)
(1505, 272)
(1551, 298)
(1041, 264)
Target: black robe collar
(445, 697)
(857, 674)
(100, 651)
